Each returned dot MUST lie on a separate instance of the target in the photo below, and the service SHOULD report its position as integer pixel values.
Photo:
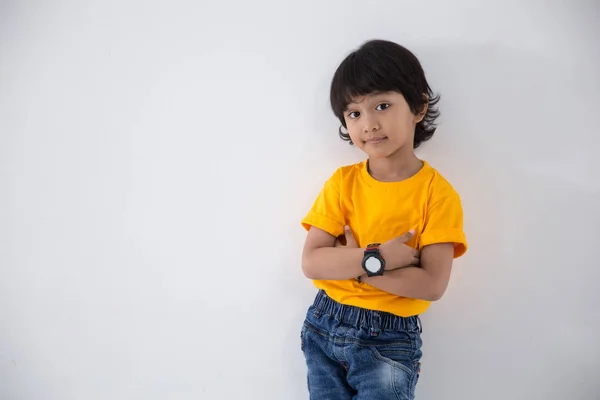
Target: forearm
(333, 263)
(411, 282)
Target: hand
(350, 242)
(397, 254)
(348, 238)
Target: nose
(371, 125)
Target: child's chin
(380, 153)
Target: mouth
(376, 140)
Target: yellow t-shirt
(379, 211)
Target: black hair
(384, 66)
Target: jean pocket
(399, 355)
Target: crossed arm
(427, 282)
(323, 258)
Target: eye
(382, 106)
(353, 115)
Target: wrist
(383, 250)
(373, 263)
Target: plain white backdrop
(156, 159)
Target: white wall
(156, 159)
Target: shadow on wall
(531, 113)
(517, 137)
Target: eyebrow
(379, 96)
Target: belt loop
(375, 323)
(341, 312)
(320, 300)
(419, 324)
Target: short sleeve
(444, 220)
(326, 212)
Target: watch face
(372, 264)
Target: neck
(396, 167)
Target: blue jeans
(358, 354)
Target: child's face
(380, 124)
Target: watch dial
(372, 264)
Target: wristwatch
(373, 263)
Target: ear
(419, 117)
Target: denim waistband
(376, 321)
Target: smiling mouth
(376, 140)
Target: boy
(402, 226)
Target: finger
(350, 241)
(407, 236)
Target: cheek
(355, 139)
(404, 126)
(352, 132)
